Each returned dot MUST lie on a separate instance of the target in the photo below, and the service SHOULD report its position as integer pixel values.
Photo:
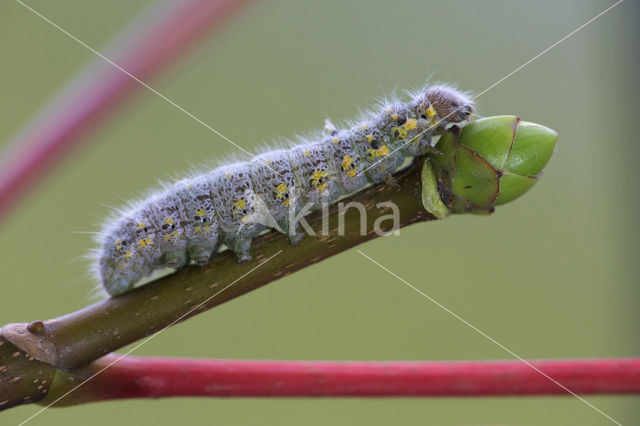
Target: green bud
(489, 162)
(430, 197)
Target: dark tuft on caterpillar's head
(451, 105)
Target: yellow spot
(200, 212)
(118, 247)
(369, 137)
(364, 127)
(281, 190)
(239, 204)
(168, 220)
(335, 140)
(399, 132)
(315, 179)
(388, 111)
(118, 241)
(197, 229)
(318, 174)
(410, 124)
(206, 228)
(175, 234)
(351, 173)
(167, 236)
(140, 225)
(244, 219)
(121, 267)
(128, 255)
(383, 151)
(346, 162)
(307, 153)
(286, 202)
(431, 112)
(394, 116)
(144, 242)
(227, 175)
(268, 161)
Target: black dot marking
(423, 116)
(401, 119)
(124, 243)
(196, 218)
(165, 226)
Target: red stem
(151, 43)
(137, 377)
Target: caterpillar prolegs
(230, 205)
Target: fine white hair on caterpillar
(188, 220)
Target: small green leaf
(430, 195)
(491, 138)
(532, 149)
(476, 180)
(512, 186)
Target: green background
(551, 275)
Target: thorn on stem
(36, 327)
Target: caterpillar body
(189, 220)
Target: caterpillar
(188, 220)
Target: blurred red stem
(149, 45)
(137, 377)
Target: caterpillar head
(451, 105)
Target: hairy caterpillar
(188, 220)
